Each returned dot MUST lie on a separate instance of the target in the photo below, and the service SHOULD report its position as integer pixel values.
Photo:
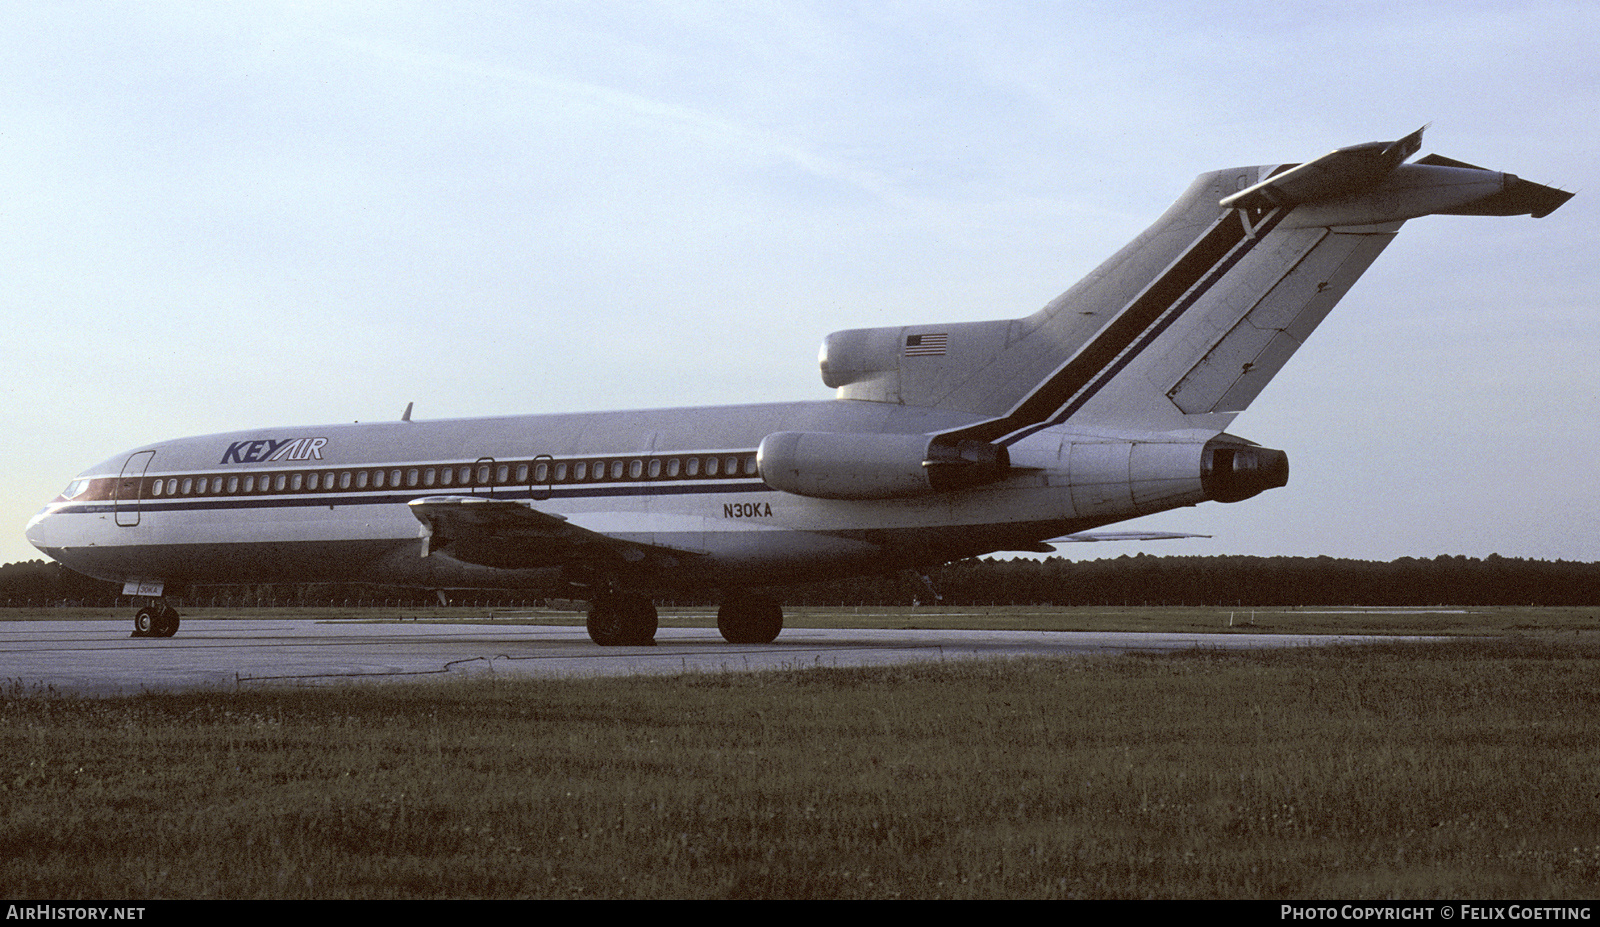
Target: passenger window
(540, 472)
(188, 484)
(561, 472)
(711, 466)
(522, 473)
(296, 482)
(412, 476)
(362, 477)
(616, 469)
(377, 479)
(429, 476)
(635, 469)
(502, 473)
(674, 467)
(344, 480)
(466, 475)
(691, 467)
(249, 484)
(155, 490)
(655, 467)
(580, 471)
(447, 476)
(280, 481)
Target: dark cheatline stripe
(537, 494)
(1206, 260)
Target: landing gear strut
(156, 620)
(750, 620)
(617, 620)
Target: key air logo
(269, 449)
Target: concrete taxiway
(99, 657)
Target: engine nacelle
(1121, 479)
(1232, 471)
(827, 465)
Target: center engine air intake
(857, 466)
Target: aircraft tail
(1184, 326)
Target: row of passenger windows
(542, 472)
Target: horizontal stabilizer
(1337, 173)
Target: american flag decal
(931, 345)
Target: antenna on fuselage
(406, 415)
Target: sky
(222, 216)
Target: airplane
(943, 441)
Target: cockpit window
(74, 489)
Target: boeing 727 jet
(943, 441)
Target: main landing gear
(618, 620)
(750, 620)
(156, 620)
(624, 620)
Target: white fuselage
(329, 503)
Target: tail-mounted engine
(864, 466)
(1232, 470)
(1110, 480)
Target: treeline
(1231, 581)
(1125, 580)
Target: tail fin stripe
(1135, 327)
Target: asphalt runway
(99, 657)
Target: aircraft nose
(38, 532)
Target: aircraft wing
(1090, 536)
(514, 535)
(1086, 537)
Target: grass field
(1398, 770)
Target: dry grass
(1456, 769)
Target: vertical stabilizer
(1182, 328)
